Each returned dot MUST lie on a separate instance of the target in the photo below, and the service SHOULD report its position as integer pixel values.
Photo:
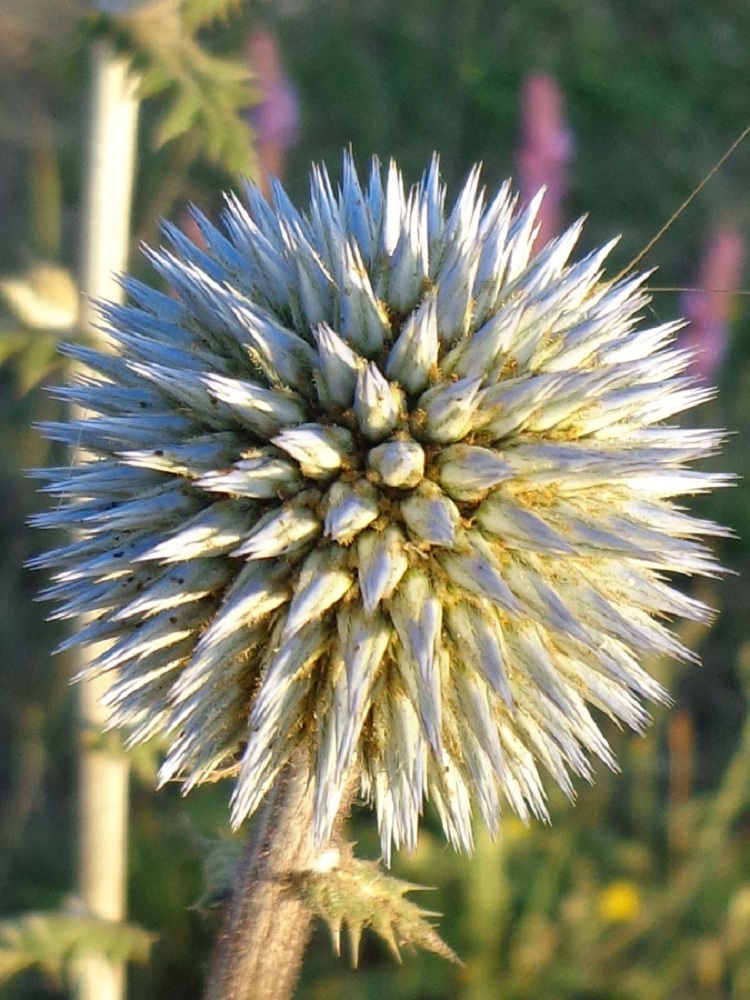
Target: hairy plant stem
(261, 947)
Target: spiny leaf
(359, 894)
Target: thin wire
(697, 288)
(676, 214)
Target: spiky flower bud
(374, 481)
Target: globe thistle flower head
(373, 480)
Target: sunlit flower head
(371, 480)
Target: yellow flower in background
(619, 902)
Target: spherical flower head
(372, 480)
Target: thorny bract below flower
(374, 481)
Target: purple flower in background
(545, 151)
(276, 118)
(709, 306)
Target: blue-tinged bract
(376, 480)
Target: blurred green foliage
(640, 892)
(56, 941)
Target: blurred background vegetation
(642, 890)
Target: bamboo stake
(103, 777)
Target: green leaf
(45, 297)
(198, 13)
(181, 116)
(220, 860)
(153, 79)
(56, 940)
(34, 355)
(206, 93)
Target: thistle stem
(260, 951)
